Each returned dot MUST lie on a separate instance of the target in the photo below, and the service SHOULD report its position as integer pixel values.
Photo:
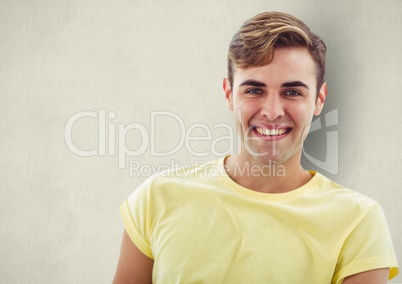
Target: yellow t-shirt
(200, 226)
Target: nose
(272, 107)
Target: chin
(268, 159)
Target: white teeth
(272, 132)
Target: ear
(322, 94)
(228, 93)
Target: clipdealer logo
(109, 132)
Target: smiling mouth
(271, 132)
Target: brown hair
(253, 45)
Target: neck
(266, 177)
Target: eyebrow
(294, 84)
(261, 84)
(252, 83)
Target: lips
(271, 131)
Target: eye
(254, 91)
(292, 93)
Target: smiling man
(258, 227)
(275, 104)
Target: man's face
(274, 105)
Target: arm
(133, 266)
(376, 276)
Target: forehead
(288, 64)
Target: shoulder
(345, 199)
(365, 241)
(341, 192)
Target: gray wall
(59, 211)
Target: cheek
(302, 115)
(302, 118)
(245, 110)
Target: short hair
(253, 45)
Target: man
(248, 224)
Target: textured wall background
(59, 211)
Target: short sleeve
(135, 214)
(368, 246)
